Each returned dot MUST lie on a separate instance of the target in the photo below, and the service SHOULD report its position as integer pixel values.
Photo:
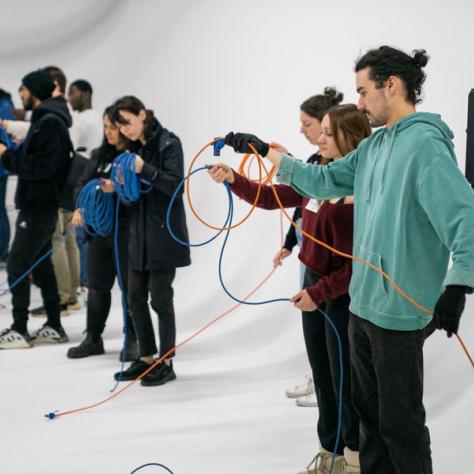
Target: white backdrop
(208, 67)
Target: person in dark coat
(153, 254)
(101, 253)
(41, 163)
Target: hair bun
(334, 95)
(420, 58)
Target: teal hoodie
(413, 207)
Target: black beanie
(40, 84)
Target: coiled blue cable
(125, 180)
(97, 209)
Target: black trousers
(323, 354)
(102, 274)
(387, 390)
(33, 233)
(157, 283)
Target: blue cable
(326, 316)
(173, 198)
(125, 180)
(123, 293)
(152, 464)
(97, 209)
(47, 254)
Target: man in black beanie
(41, 163)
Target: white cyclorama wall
(209, 67)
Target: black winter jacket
(42, 160)
(151, 247)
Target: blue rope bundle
(125, 180)
(97, 209)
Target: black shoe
(131, 351)
(40, 311)
(136, 368)
(87, 348)
(161, 374)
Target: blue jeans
(4, 223)
(83, 247)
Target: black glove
(240, 143)
(449, 308)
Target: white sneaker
(47, 334)
(305, 388)
(322, 464)
(307, 400)
(10, 339)
(351, 461)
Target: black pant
(323, 354)
(32, 240)
(102, 273)
(159, 284)
(387, 390)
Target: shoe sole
(51, 341)
(293, 395)
(6, 348)
(70, 356)
(171, 377)
(304, 405)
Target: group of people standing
(391, 198)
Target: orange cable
(174, 349)
(188, 194)
(314, 239)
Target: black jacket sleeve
(167, 178)
(41, 159)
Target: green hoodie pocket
(368, 287)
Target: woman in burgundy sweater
(326, 282)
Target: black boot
(131, 350)
(88, 347)
(161, 374)
(136, 368)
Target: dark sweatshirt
(332, 224)
(42, 160)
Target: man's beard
(28, 104)
(375, 121)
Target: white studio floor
(225, 413)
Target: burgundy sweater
(332, 224)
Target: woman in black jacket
(153, 254)
(101, 258)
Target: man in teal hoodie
(413, 209)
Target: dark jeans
(323, 354)
(387, 390)
(32, 240)
(159, 284)
(4, 223)
(102, 273)
(83, 246)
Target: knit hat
(39, 83)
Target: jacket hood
(55, 105)
(422, 117)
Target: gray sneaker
(11, 339)
(49, 335)
(321, 464)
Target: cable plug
(218, 145)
